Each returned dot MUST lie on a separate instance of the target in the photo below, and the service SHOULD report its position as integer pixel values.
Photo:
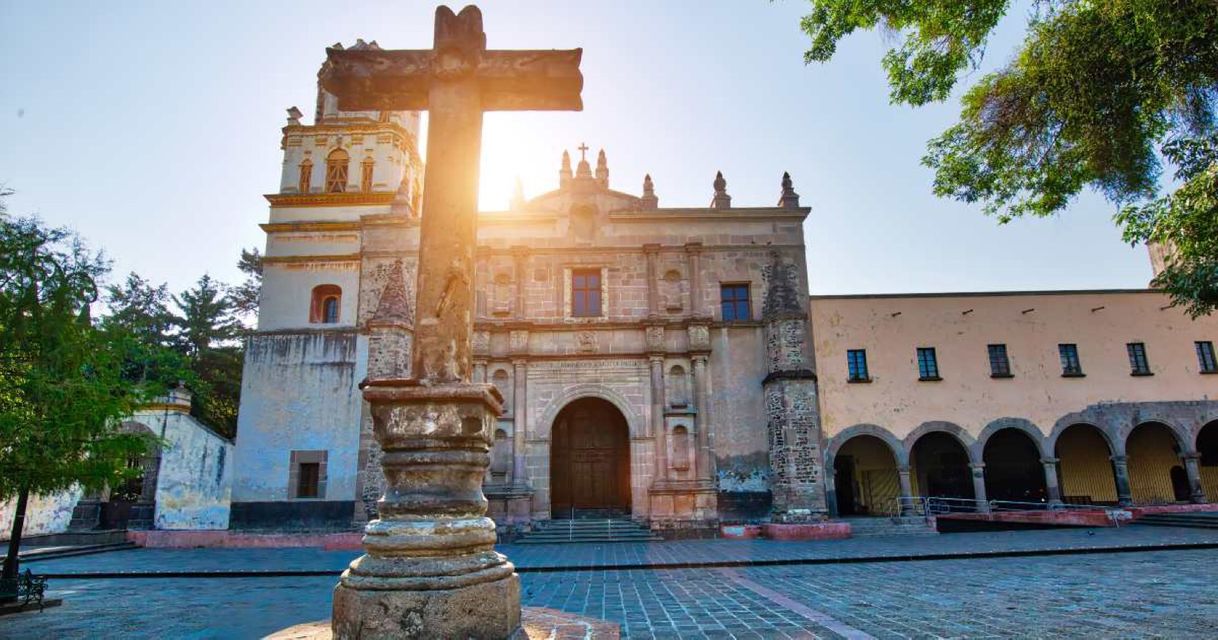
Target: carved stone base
(509, 505)
(536, 624)
(485, 610)
(683, 505)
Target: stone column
(831, 490)
(657, 416)
(1120, 472)
(702, 418)
(694, 252)
(906, 506)
(1051, 486)
(978, 469)
(652, 251)
(1196, 492)
(520, 256)
(520, 424)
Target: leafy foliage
(62, 389)
(244, 297)
(1098, 96)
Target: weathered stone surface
(489, 610)
(537, 623)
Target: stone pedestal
(430, 568)
(683, 504)
(536, 624)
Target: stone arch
(955, 430)
(1013, 457)
(1206, 446)
(1065, 422)
(590, 460)
(1183, 435)
(634, 421)
(1084, 472)
(1153, 451)
(1021, 424)
(899, 452)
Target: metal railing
(931, 506)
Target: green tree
(62, 389)
(244, 297)
(208, 333)
(142, 327)
(1099, 95)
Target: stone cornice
(406, 139)
(302, 227)
(342, 199)
(341, 257)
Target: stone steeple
(721, 199)
(789, 199)
(602, 170)
(583, 170)
(649, 199)
(564, 174)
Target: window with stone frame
(365, 176)
(326, 304)
(307, 475)
(337, 164)
(586, 293)
(1138, 364)
(1205, 356)
(1000, 363)
(306, 177)
(734, 301)
(1071, 365)
(928, 364)
(856, 366)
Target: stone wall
(194, 484)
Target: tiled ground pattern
(1168, 594)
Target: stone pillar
(652, 251)
(520, 256)
(520, 424)
(1051, 486)
(1120, 473)
(705, 459)
(693, 251)
(978, 469)
(906, 506)
(657, 416)
(1196, 492)
(831, 490)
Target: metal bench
(26, 587)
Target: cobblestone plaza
(854, 593)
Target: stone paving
(533, 557)
(1166, 594)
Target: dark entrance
(1013, 470)
(843, 468)
(941, 467)
(590, 461)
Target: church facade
(668, 363)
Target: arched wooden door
(590, 461)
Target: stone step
(588, 530)
(69, 551)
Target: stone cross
(430, 568)
(455, 82)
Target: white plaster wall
(194, 484)
(43, 514)
(298, 393)
(287, 291)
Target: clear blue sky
(152, 128)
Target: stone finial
(721, 199)
(401, 205)
(394, 307)
(602, 169)
(781, 295)
(360, 45)
(564, 174)
(518, 196)
(789, 199)
(294, 115)
(583, 170)
(650, 201)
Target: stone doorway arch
(590, 461)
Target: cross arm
(526, 80)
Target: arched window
(326, 304)
(306, 176)
(336, 171)
(365, 177)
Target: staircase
(73, 543)
(588, 530)
(1192, 519)
(885, 526)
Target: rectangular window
(308, 480)
(1205, 357)
(856, 361)
(1071, 367)
(928, 364)
(1138, 366)
(1000, 364)
(586, 293)
(735, 301)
